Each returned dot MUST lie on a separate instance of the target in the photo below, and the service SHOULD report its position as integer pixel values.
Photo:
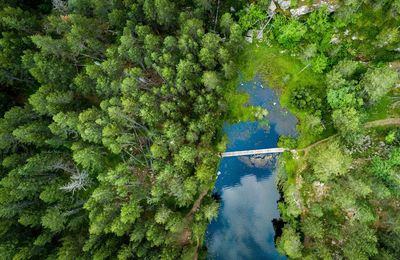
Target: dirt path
(383, 122)
(196, 205)
(308, 148)
(186, 232)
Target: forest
(111, 115)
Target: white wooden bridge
(254, 152)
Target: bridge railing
(254, 152)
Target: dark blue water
(243, 228)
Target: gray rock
(300, 11)
(305, 9)
(250, 35)
(335, 40)
(284, 4)
(332, 8)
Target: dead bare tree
(60, 6)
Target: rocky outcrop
(283, 4)
(302, 10)
(251, 35)
(258, 34)
(305, 9)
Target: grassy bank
(281, 72)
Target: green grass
(380, 110)
(387, 107)
(237, 109)
(291, 167)
(281, 72)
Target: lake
(246, 185)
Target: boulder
(251, 33)
(335, 40)
(283, 4)
(248, 39)
(305, 9)
(332, 8)
(249, 36)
